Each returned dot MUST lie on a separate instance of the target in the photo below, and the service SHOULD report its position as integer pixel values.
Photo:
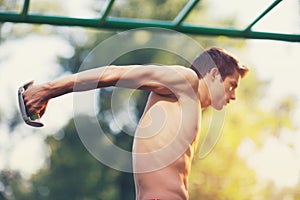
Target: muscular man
(166, 137)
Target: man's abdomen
(164, 184)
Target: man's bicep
(165, 80)
(158, 79)
(176, 80)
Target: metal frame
(106, 22)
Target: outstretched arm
(152, 78)
(163, 80)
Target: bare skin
(166, 138)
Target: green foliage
(154, 9)
(223, 174)
(74, 174)
(13, 186)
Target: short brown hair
(217, 57)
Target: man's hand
(35, 99)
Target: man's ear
(214, 73)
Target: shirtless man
(166, 137)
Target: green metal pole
(275, 3)
(184, 12)
(233, 33)
(25, 8)
(128, 23)
(106, 11)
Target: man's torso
(164, 146)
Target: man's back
(164, 147)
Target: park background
(256, 157)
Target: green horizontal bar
(51, 20)
(275, 3)
(184, 12)
(234, 33)
(128, 23)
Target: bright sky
(34, 58)
(19, 65)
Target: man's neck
(204, 94)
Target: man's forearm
(60, 87)
(82, 81)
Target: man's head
(221, 72)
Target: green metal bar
(25, 8)
(234, 33)
(128, 23)
(184, 12)
(106, 11)
(125, 24)
(51, 20)
(275, 3)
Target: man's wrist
(47, 89)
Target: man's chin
(218, 107)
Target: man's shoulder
(189, 75)
(188, 81)
(186, 72)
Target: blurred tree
(155, 9)
(73, 173)
(13, 186)
(223, 174)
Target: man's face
(222, 92)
